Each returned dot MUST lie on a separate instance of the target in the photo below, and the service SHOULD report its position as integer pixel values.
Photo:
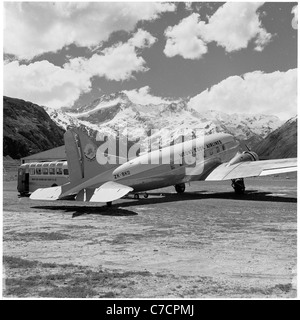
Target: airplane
(214, 157)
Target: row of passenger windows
(46, 171)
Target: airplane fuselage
(187, 161)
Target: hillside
(28, 129)
(281, 143)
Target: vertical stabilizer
(74, 156)
(82, 157)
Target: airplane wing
(107, 192)
(52, 193)
(252, 169)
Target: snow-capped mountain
(117, 113)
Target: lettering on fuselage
(212, 144)
(122, 174)
(195, 150)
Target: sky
(236, 57)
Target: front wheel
(180, 188)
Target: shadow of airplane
(80, 210)
(117, 208)
(251, 195)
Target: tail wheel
(180, 188)
(238, 185)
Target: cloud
(232, 26)
(33, 28)
(295, 18)
(44, 83)
(255, 92)
(118, 62)
(142, 96)
(188, 6)
(185, 40)
(142, 39)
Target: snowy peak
(104, 101)
(244, 125)
(102, 109)
(117, 112)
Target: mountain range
(29, 128)
(116, 113)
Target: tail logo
(90, 151)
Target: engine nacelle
(244, 156)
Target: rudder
(82, 156)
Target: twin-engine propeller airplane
(210, 158)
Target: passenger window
(211, 151)
(66, 172)
(32, 171)
(45, 170)
(218, 149)
(223, 146)
(51, 171)
(59, 171)
(38, 171)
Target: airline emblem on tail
(90, 151)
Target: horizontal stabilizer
(108, 192)
(52, 193)
(252, 169)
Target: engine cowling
(244, 156)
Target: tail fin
(81, 154)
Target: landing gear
(238, 185)
(180, 188)
(108, 204)
(137, 195)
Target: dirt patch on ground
(207, 243)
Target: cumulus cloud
(232, 26)
(185, 39)
(44, 83)
(142, 39)
(235, 24)
(118, 62)
(255, 92)
(144, 97)
(33, 28)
